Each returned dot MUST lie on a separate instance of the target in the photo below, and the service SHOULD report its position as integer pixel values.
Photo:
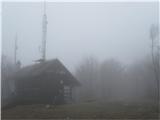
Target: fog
(77, 30)
(100, 57)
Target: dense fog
(112, 49)
(112, 80)
(78, 30)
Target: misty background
(77, 30)
(111, 48)
(107, 46)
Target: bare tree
(110, 76)
(155, 48)
(86, 73)
(7, 84)
(141, 75)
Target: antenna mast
(44, 33)
(15, 49)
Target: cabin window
(66, 88)
(61, 72)
(67, 93)
(61, 81)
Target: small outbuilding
(46, 82)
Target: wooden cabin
(46, 82)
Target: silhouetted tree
(155, 48)
(7, 84)
(87, 74)
(110, 77)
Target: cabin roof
(53, 67)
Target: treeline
(111, 80)
(8, 69)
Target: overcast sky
(77, 30)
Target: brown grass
(82, 111)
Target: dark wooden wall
(41, 89)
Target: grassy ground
(84, 110)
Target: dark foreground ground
(82, 111)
